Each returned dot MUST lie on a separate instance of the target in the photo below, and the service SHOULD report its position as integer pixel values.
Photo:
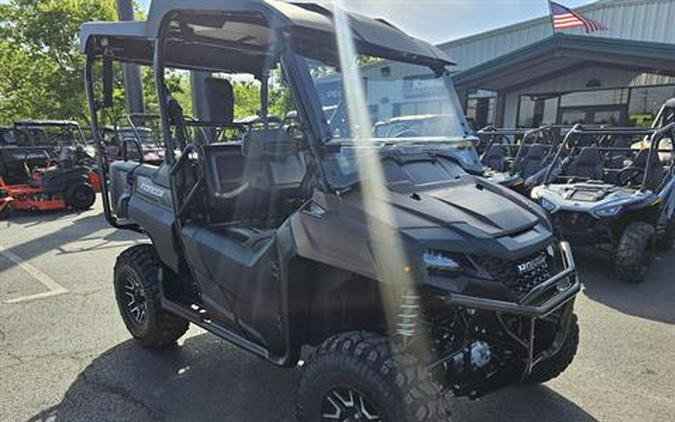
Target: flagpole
(550, 14)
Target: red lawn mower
(70, 181)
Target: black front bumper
(566, 283)
(556, 293)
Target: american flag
(564, 18)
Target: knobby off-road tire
(555, 365)
(666, 239)
(357, 375)
(634, 252)
(136, 279)
(81, 197)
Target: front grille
(580, 228)
(519, 276)
(575, 221)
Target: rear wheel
(82, 197)
(634, 252)
(138, 299)
(359, 376)
(555, 365)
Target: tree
(42, 65)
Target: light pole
(133, 84)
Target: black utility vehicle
(31, 142)
(615, 191)
(276, 240)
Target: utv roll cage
(25, 126)
(518, 152)
(580, 136)
(193, 39)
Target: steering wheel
(233, 193)
(629, 174)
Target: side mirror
(107, 81)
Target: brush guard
(565, 285)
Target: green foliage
(41, 71)
(41, 67)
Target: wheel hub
(347, 405)
(136, 304)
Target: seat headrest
(535, 152)
(641, 158)
(219, 100)
(588, 156)
(497, 151)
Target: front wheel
(138, 299)
(634, 252)
(82, 197)
(550, 368)
(359, 376)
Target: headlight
(610, 211)
(438, 262)
(535, 194)
(547, 205)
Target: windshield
(410, 109)
(406, 102)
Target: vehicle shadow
(651, 299)
(76, 227)
(206, 379)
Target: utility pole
(198, 83)
(133, 84)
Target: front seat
(495, 158)
(656, 169)
(533, 160)
(588, 164)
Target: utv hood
(471, 208)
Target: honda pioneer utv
(437, 282)
(618, 198)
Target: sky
(443, 20)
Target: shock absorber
(407, 316)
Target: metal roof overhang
(562, 54)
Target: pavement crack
(122, 393)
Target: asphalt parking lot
(66, 356)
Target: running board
(210, 326)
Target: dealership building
(525, 75)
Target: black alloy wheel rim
(346, 404)
(135, 303)
(81, 195)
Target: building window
(646, 102)
(601, 97)
(481, 110)
(421, 108)
(538, 111)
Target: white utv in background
(616, 195)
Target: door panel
(238, 282)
